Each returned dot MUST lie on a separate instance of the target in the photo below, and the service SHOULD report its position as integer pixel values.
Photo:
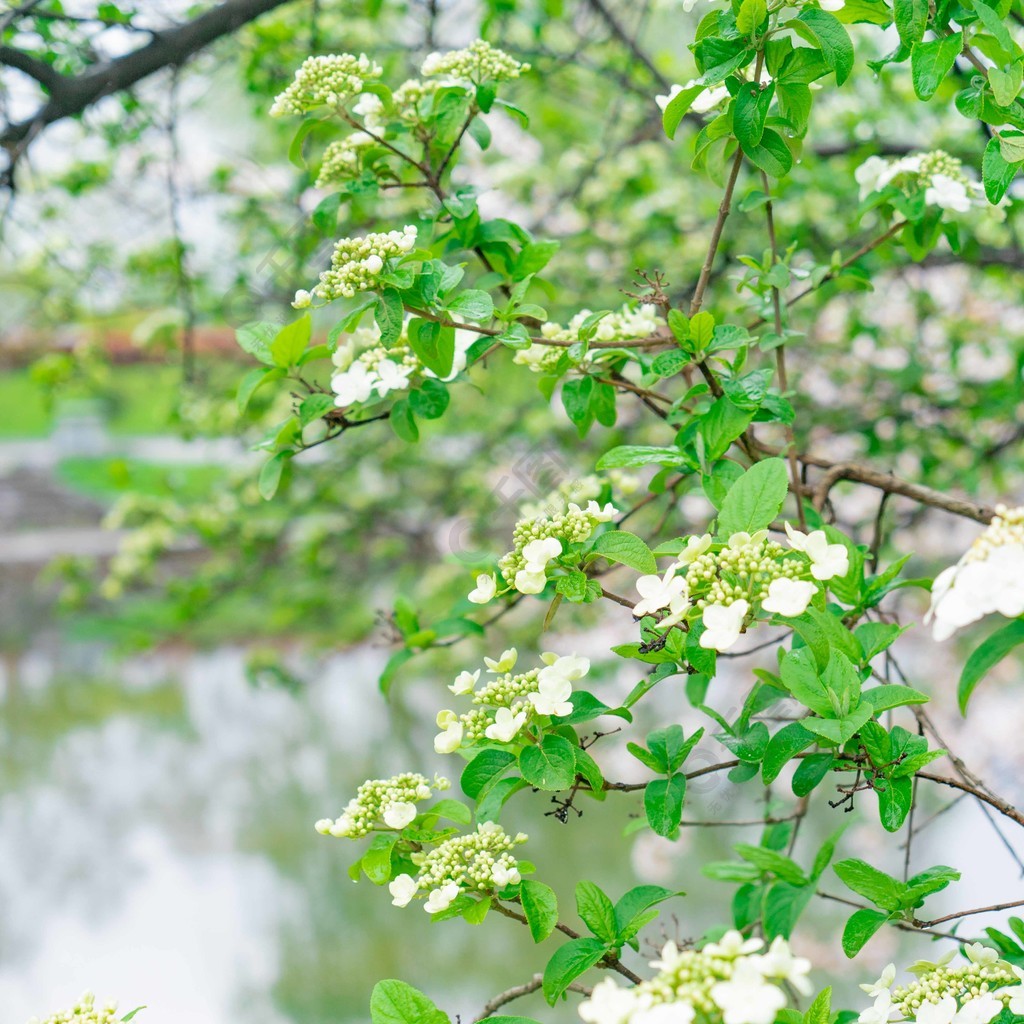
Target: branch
(518, 991)
(42, 72)
(72, 95)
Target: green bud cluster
(963, 983)
(506, 690)
(341, 159)
(357, 262)
(471, 861)
(478, 62)
(1007, 527)
(574, 526)
(744, 569)
(366, 811)
(330, 80)
(85, 1011)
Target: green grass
(108, 478)
(136, 399)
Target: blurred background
(190, 675)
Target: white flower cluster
(973, 993)
(355, 264)
(940, 175)
(366, 368)
(625, 326)
(478, 62)
(506, 704)
(341, 158)
(989, 577)
(728, 981)
(405, 103)
(381, 803)
(481, 861)
(85, 1011)
(331, 80)
(727, 585)
(537, 541)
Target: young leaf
(986, 656)
(550, 766)
(568, 963)
(596, 911)
(832, 38)
(859, 928)
(395, 1002)
(663, 803)
(931, 61)
(755, 499)
(540, 905)
(627, 549)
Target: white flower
(731, 945)
(746, 998)
(450, 739)
(601, 515)
(884, 983)
(827, 560)
(948, 194)
(441, 899)
(342, 826)
(669, 591)
(980, 954)
(788, 597)
(1016, 1003)
(671, 957)
(567, 666)
(302, 300)
(504, 664)
(532, 578)
(882, 1011)
(664, 1013)
(872, 175)
(742, 539)
(505, 725)
(608, 1004)
(722, 624)
(373, 264)
(399, 814)
(485, 589)
(832, 5)
(464, 683)
(402, 889)
(979, 1010)
(780, 964)
(709, 99)
(502, 875)
(941, 1012)
(323, 826)
(695, 547)
(552, 695)
(393, 376)
(530, 581)
(664, 101)
(352, 386)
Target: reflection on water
(156, 844)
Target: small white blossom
(948, 194)
(732, 945)
(884, 983)
(505, 663)
(789, 597)
(722, 624)
(552, 696)
(695, 547)
(827, 560)
(532, 578)
(403, 889)
(355, 385)
(392, 377)
(608, 1004)
(441, 898)
(505, 725)
(780, 964)
(302, 300)
(669, 591)
(746, 998)
(464, 682)
(450, 739)
(485, 589)
(399, 814)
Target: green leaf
(632, 455)
(772, 155)
(755, 499)
(832, 38)
(434, 345)
(484, 770)
(702, 329)
(799, 674)
(314, 407)
(550, 766)
(637, 901)
(721, 425)
(540, 905)
(290, 342)
(986, 656)
(931, 61)
(596, 911)
(130, 1015)
(893, 695)
(377, 859)
(770, 860)
(895, 799)
(403, 422)
(568, 963)
(254, 380)
(810, 772)
(789, 741)
(395, 1002)
(859, 928)
(255, 338)
(677, 107)
(663, 803)
(875, 886)
(749, 113)
(270, 475)
(820, 1011)
(750, 16)
(626, 549)
(576, 396)
(911, 19)
(474, 304)
(996, 173)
